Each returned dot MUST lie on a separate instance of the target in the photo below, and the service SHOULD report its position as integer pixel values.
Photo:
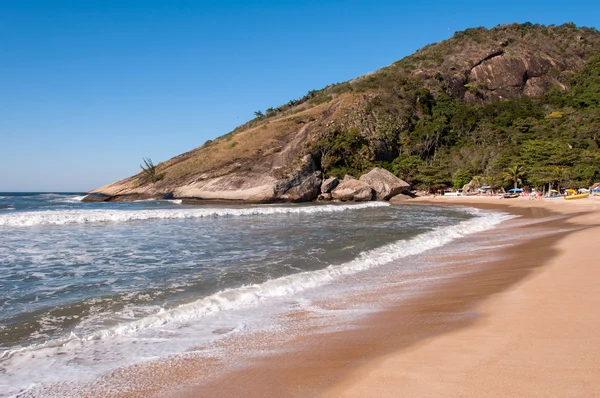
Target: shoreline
(536, 337)
(377, 354)
(344, 363)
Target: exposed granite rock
(352, 190)
(303, 186)
(402, 197)
(283, 175)
(125, 197)
(96, 197)
(324, 197)
(384, 183)
(237, 186)
(510, 77)
(306, 188)
(329, 184)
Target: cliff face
(284, 155)
(510, 61)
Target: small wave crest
(73, 199)
(62, 217)
(175, 201)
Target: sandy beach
(525, 324)
(538, 337)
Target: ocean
(87, 288)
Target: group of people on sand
(534, 195)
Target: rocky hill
(467, 107)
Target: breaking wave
(62, 217)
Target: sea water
(86, 288)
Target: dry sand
(539, 337)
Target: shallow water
(102, 285)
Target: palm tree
(514, 173)
(558, 175)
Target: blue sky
(88, 88)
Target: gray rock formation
(303, 186)
(325, 197)
(96, 197)
(304, 189)
(401, 198)
(329, 184)
(384, 183)
(352, 190)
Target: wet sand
(524, 325)
(536, 337)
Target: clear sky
(89, 87)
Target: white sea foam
(62, 217)
(175, 201)
(74, 199)
(251, 295)
(53, 359)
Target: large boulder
(303, 186)
(352, 190)
(329, 184)
(324, 197)
(306, 188)
(384, 183)
(401, 197)
(96, 197)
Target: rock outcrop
(96, 197)
(401, 197)
(384, 183)
(329, 184)
(352, 190)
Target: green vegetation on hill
(515, 104)
(553, 139)
(413, 127)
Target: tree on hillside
(460, 178)
(515, 174)
(149, 173)
(560, 176)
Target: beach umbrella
(515, 190)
